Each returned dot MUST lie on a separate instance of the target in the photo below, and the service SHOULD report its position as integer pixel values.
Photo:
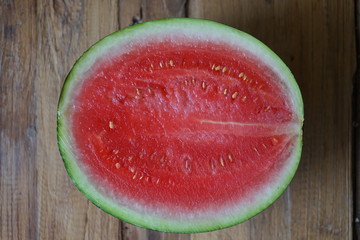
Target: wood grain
(356, 126)
(66, 30)
(40, 40)
(18, 129)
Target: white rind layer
(124, 41)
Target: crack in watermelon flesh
(183, 127)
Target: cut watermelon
(180, 125)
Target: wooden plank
(129, 11)
(356, 126)
(162, 9)
(316, 40)
(145, 10)
(66, 30)
(18, 132)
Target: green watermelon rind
(81, 181)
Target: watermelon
(180, 125)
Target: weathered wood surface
(40, 40)
(356, 126)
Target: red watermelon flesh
(182, 128)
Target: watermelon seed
(275, 140)
(255, 149)
(149, 90)
(151, 65)
(132, 169)
(212, 164)
(162, 159)
(141, 177)
(213, 66)
(171, 63)
(186, 82)
(203, 85)
(218, 68)
(115, 151)
(267, 109)
(250, 81)
(138, 92)
(187, 164)
(117, 165)
(244, 77)
(260, 86)
(193, 81)
(233, 96)
(224, 69)
(222, 161)
(264, 145)
(241, 75)
(130, 158)
(229, 71)
(134, 176)
(243, 98)
(147, 179)
(157, 181)
(230, 158)
(225, 91)
(111, 125)
(160, 64)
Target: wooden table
(40, 40)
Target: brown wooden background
(41, 39)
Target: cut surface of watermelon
(180, 125)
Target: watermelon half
(180, 125)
